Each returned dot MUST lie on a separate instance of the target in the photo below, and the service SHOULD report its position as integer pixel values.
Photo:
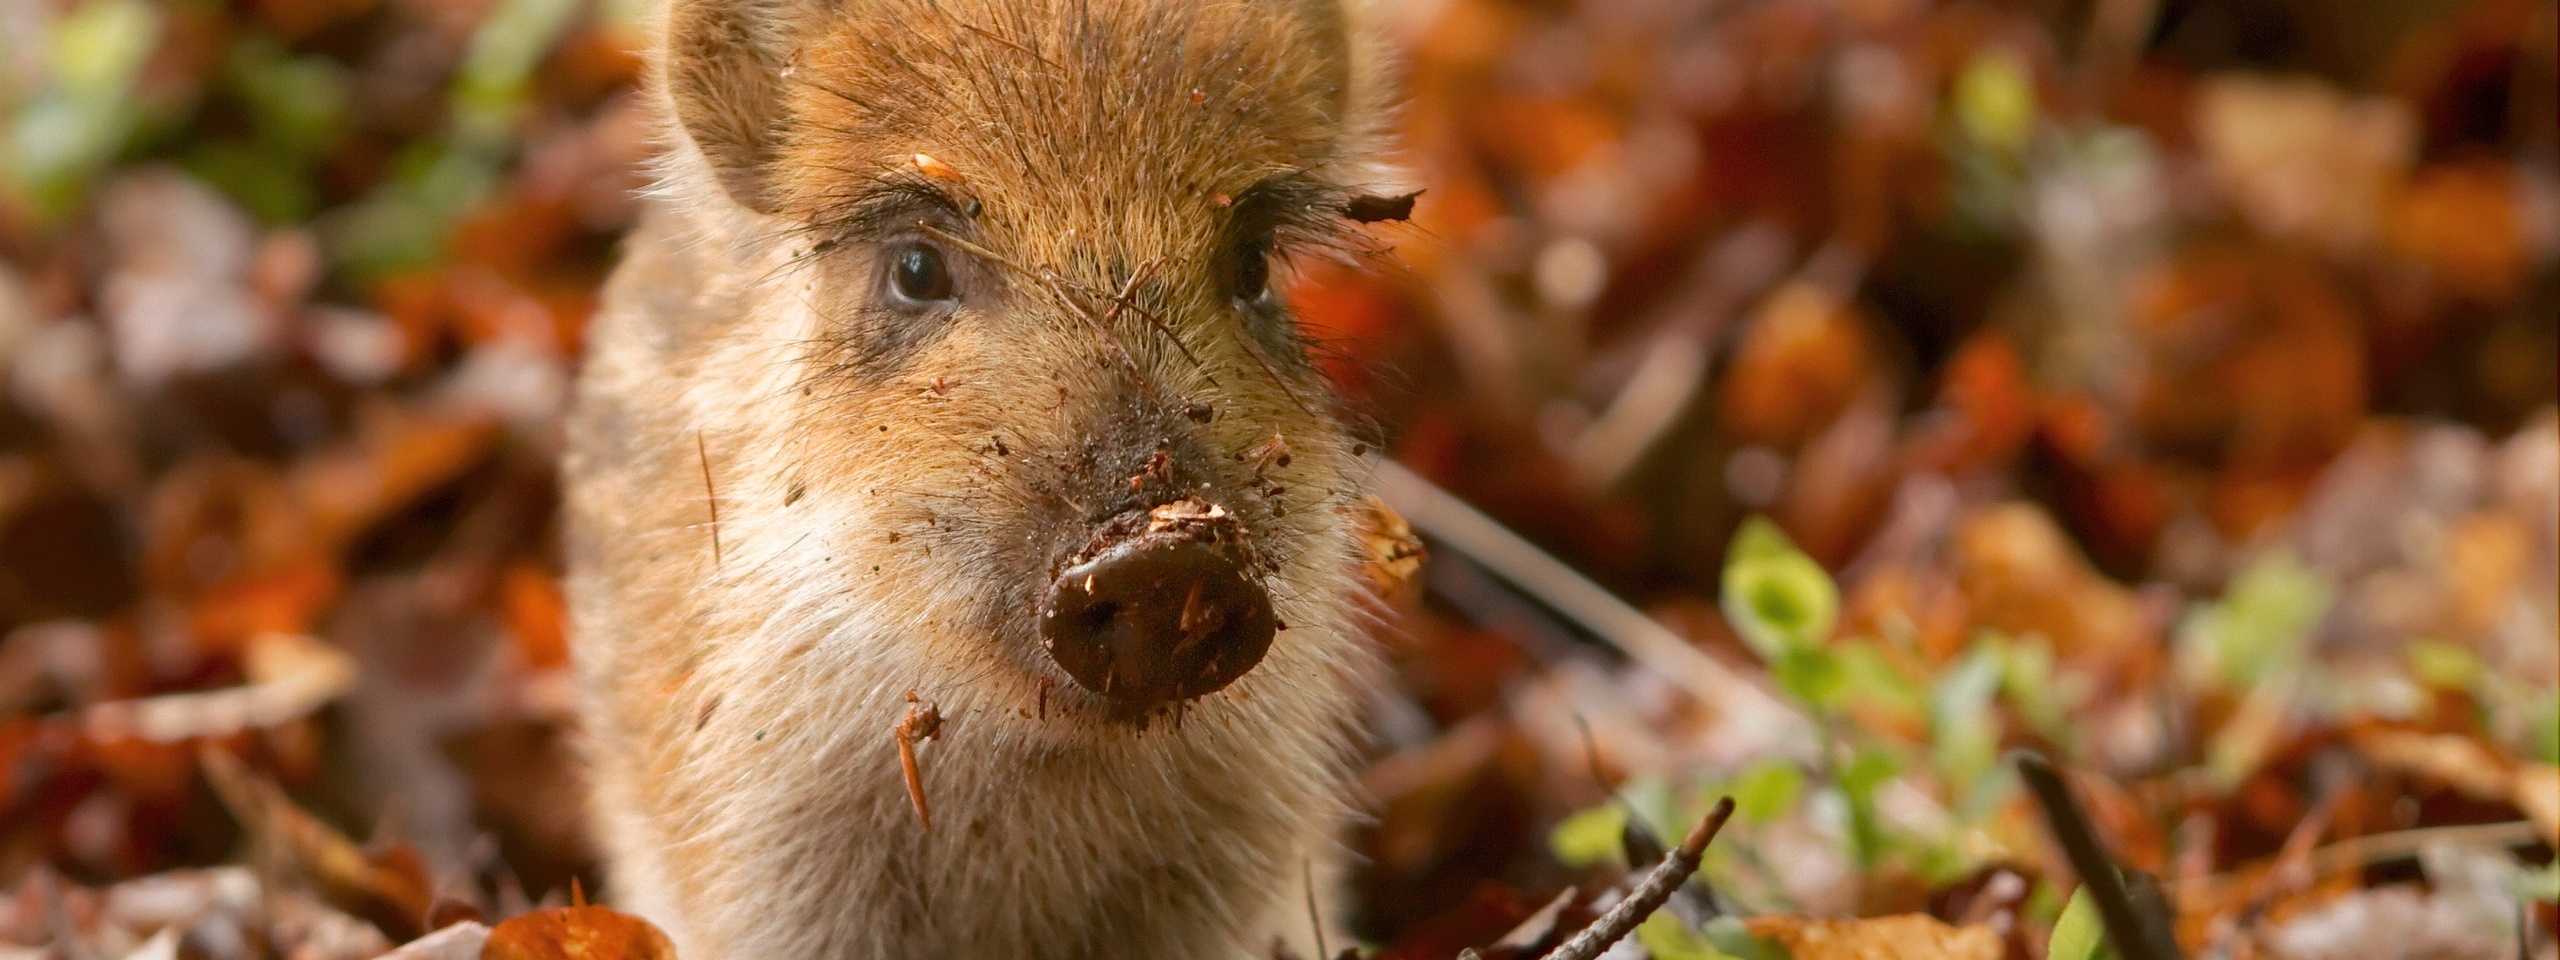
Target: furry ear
(724, 65)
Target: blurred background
(2167, 385)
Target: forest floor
(2161, 388)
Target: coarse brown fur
(790, 505)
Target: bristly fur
(895, 487)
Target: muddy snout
(1163, 607)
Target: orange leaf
(577, 933)
(535, 613)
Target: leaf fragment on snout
(1393, 553)
(937, 170)
(1372, 208)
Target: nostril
(1100, 615)
(1161, 615)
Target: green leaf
(1810, 674)
(100, 46)
(298, 104)
(1995, 101)
(2546, 726)
(1589, 837)
(490, 90)
(2443, 666)
(1777, 598)
(1666, 938)
(1873, 682)
(274, 191)
(2258, 628)
(1727, 934)
(84, 114)
(1866, 771)
(1964, 732)
(2540, 884)
(2041, 694)
(1767, 790)
(2078, 934)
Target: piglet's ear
(726, 63)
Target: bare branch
(1650, 895)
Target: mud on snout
(1159, 606)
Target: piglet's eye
(1253, 270)
(918, 275)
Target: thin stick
(1126, 299)
(709, 499)
(2357, 853)
(922, 722)
(1315, 918)
(1463, 529)
(1061, 288)
(1650, 895)
(2128, 930)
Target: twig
(1464, 529)
(2134, 935)
(1063, 289)
(2293, 868)
(1126, 299)
(923, 722)
(2357, 853)
(1636, 839)
(1307, 873)
(1591, 753)
(1650, 895)
(709, 498)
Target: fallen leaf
(577, 933)
(389, 888)
(2303, 159)
(2024, 576)
(1805, 356)
(290, 675)
(2459, 761)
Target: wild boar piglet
(947, 378)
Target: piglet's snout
(1164, 609)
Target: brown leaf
(1393, 552)
(2460, 761)
(394, 456)
(1804, 358)
(2024, 575)
(577, 933)
(2462, 222)
(290, 675)
(389, 888)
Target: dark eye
(1253, 270)
(918, 275)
